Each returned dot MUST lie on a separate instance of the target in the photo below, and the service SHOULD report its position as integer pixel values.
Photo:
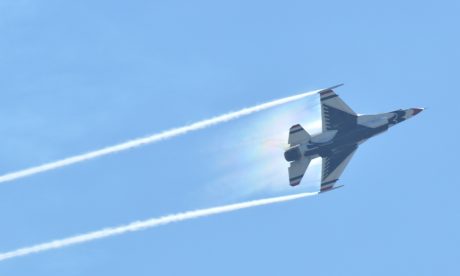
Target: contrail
(150, 139)
(141, 225)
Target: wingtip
(336, 86)
(331, 189)
(330, 88)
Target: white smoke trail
(141, 225)
(150, 139)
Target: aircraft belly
(342, 132)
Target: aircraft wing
(336, 114)
(334, 165)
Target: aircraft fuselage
(325, 143)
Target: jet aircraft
(343, 131)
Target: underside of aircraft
(342, 133)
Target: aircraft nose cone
(417, 110)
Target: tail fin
(298, 135)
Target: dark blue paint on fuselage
(343, 139)
(398, 118)
(349, 133)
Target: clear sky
(76, 76)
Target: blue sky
(77, 76)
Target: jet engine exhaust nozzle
(292, 154)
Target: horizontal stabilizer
(298, 135)
(297, 170)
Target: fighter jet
(343, 131)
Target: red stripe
(327, 187)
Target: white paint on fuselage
(374, 121)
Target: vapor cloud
(150, 139)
